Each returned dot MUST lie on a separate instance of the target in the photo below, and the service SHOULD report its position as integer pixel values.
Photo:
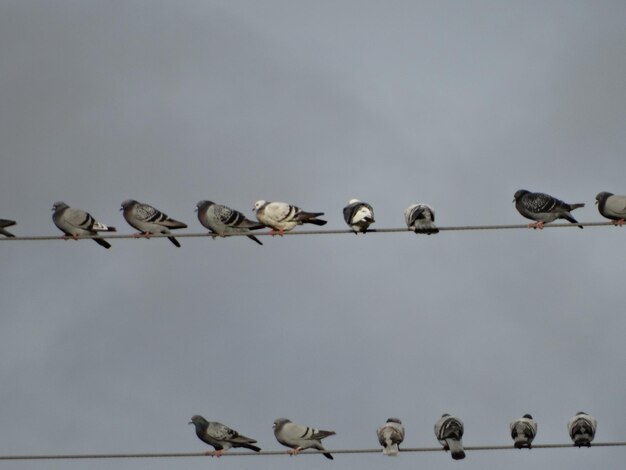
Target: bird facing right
(449, 432)
(300, 437)
(543, 208)
(390, 436)
(523, 431)
(582, 429)
(612, 206)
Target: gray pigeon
(282, 217)
(149, 220)
(523, 431)
(358, 215)
(224, 221)
(390, 436)
(220, 436)
(6, 223)
(300, 437)
(420, 218)
(75, 223)
(582, 429)
(612, 207)
(449, 431)
(543, 208)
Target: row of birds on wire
(281, 217)
(448, 431)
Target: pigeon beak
(190, 422)
(596, 202)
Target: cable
(284, 453)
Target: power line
(284, 453)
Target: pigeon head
(258, 205)
(580, 413)
(59, 205)
(279, 423)
(394, 420)
(198, 420)
(518, 194)
(445, 414)
(603, 196)
(128, 203)
(527, 416)
(352, 201)
(203, 205)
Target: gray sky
(457, 104)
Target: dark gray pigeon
(224, 221)
(582, 429)
(300, 437)
(449, 432)
(220, 436)
(523, 431)
(390, 436)
(149, 220)
(358, 215)
(543, 208)
(612, 207)
(75, 222)
(6, 223)
(420, 218)
(281, 217)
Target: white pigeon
(420, 218)
(612, 207)
(220, 436)
(523, 431)
(149, 220)
(390, 436)
(449, 432)
(283, 217)
(582, 429)
(224, 221)
(300, 437)
(358, 215)
(76, 223)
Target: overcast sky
(457, 104)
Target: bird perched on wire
(449, 432)
(300, 437)
(282, 217)
(149, 220)
(6, 223)
(612, 207)
(523, 431)
(224, 221)
(420, 218)
(390, 436)
(582, 429)
(76, 223)
(358, 215)
(220, 436)
(543, 208)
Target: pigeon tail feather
(456, 449)
(174, 241)
(252, 237)
(391, 449)
(102, 242)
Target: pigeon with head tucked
(420, 218)
(149, 220)
(220, 436)
(358, 215)
(6, 223)
(612, 207)
(582, 429)
(224, 221)
(543, 208)
(449, 432)
(75, 223)
(300, 437)
(283, 217)
(390, 436)
(523, 431)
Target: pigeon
(582, 429)
(6, 223)
(612, 207)
(220, 436)
(283, 217)
(390, 435)
(300, 437)
(358, 215)
(449, 431)
(523, 431)
(149, 220)
(543, 208)
(225, 221)
(75, 222)
(420, 218)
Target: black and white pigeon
(220, 436)
(543, 208)
(390, 436)
(612, 207)
(75, 223)
(300, 437)
(224, 221)
(582, 429)
(358, 215)
(149, 220)
(523, 431)
(420, 218)
(6, 223)
(449, 432)
(282, 217)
